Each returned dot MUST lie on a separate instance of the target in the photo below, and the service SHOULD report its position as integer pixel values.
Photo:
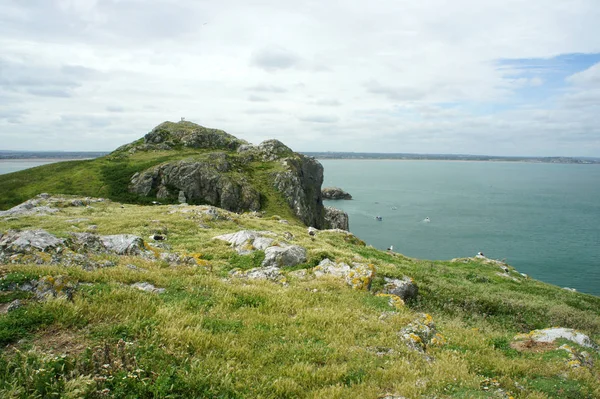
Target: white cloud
(400, 76)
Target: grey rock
(288, 236)
(14, 305)
(328, 267)
(300, 184)
(147, 287)
(86, 242)
(405, 288)
(53, 287)
(31, 207)
(336, 219)
(200, 181)
(554, 333)
(28, 241)
(288, 255)
(181, 198)
(270, 273)
(272, 150)
(246, 241)
(335, 193)
(123, 244)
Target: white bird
(391, 248)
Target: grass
(211, 336)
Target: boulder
(247, 241)
(123, 244)
(28, 241)
(53, 287)
(34, 206)
(272, 150)
(359, 276)
(336, 219)
(554, 333)
(282, 256)
(406, 288)
(421, 333)
(270, 273)
(335, 193)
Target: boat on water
(378, 218)
(426, 220)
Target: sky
(494, 77)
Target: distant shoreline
(454, 160)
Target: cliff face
(225, 171)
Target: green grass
(212, 336)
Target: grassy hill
(109, 176)
(212, 335)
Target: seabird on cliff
(391, 248)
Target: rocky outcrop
(199, 182)
(359, 276)
(172, 136)
(270, 273)
(247, 241)
(284, 255)
(335, 193)
(336, 219)
(29, 241)
(300, 184)
(406, 289)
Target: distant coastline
(450, 157)
(49, 155)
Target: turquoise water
(544, 219)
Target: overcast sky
(499, 77)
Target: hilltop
(113, 296)
(186, 162)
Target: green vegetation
(209, 335)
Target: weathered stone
(123, 244)
(421, 333)
(327, 267)
(405, 288)
(285, 255)
(300, 184)
(246, 241)
(201, 181)
(33, 206)
(272, 150)
(270, 273)
(53, 287)
(336, 219)
(359, 276)
(181, 198)
(335, 193)
(552, 334)
(28, 241)
(14, 305)
(86, 242)
(147, 287)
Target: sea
(14, 165)
(543, 219)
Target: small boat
(426, 220)
(378, 218)
(394, 208)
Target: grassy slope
(210, 337)
(109, 177)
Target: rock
(200, 181)
(287, 255)
(53, 287)
(569, 289)
(335, 193)
(170, 135)
(406, 288)
(335, 219)
(300, 184)
(272, 150)
(123, 244)
(288, 236)
(14, 305)
(86, 242)
(554, 333)
(301, 274)
(578, 359)
(28, 241)
(246, 241)
(181, 198)
(147, 287)
(270, 273)
(359, 276)
(421, 333)
(33, 206)
(327, 267)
